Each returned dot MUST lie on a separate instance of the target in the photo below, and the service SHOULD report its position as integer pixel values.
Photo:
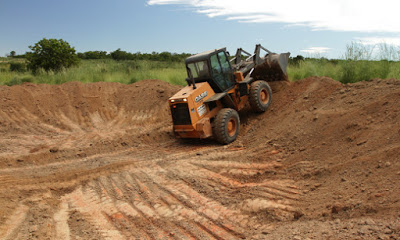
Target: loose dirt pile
(98, 161)
(72, 116)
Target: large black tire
(226, 125)
(260, 96)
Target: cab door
(221, 71)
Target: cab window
(220, 71)
(224, 62)
(199, 69)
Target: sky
(314, 28)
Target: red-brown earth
(98, 161)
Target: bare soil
(98, 161)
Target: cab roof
(203, 55)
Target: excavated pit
(98, 161)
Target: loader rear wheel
(260, 96)
(226, 126)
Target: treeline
(123, 55)
(163, 56)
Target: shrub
(51, 55)
(19, 80)
(17, 67)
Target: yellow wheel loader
(218, 87)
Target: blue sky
(308, 27)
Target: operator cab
(212, 67)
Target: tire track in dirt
(144, 199)
(35, 137)
(140, 191)
(61, 222)
(10, 228)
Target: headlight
(179, 100)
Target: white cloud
(395, 41)
(338, 15)
(316, 50)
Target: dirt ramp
(322, 112)
(342, 144)
(75, 115)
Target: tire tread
(222, 118)
(254, 96)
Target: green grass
(359, 63)
(100, 71)
(312, 67)
(345, 71)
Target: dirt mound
(84, 161)
(38, 118)
(341, 145)
(77, 101)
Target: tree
(94, 55)
(51, 55)
(122, 55)
(296, 60)
(12, 54)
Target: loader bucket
(273, 68)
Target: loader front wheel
(260, 96)
(226, 125)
